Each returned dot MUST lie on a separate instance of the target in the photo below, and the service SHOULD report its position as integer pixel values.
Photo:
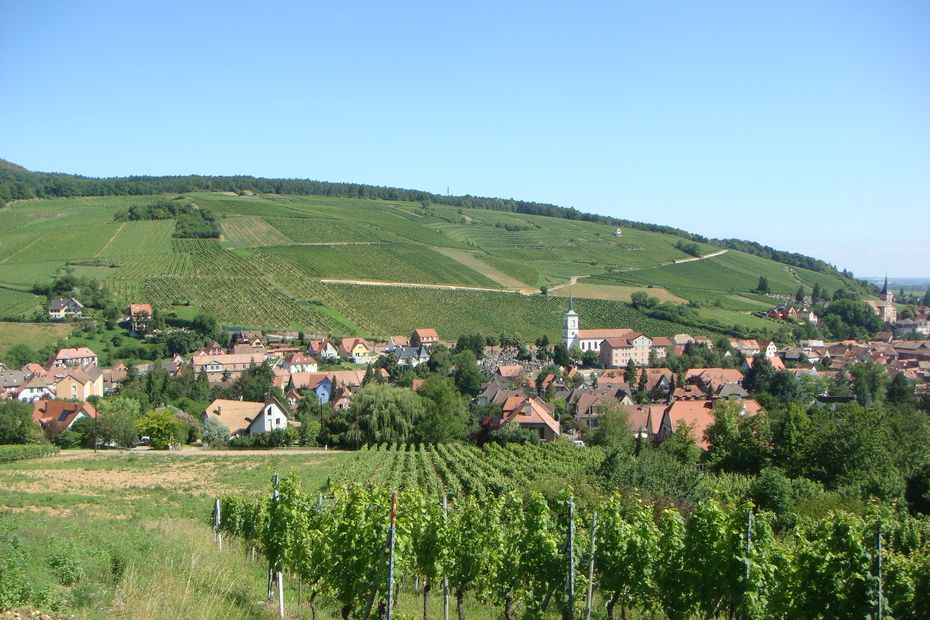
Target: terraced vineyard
(456, 469)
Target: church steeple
(885, 287)
(570, 324)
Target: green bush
(12, 453)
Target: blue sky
(801, 125)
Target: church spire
(885, 288)
(571, 299)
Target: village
(547, 391)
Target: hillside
(313, 262)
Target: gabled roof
(532, 412)
(236, 415)
(135, 309)
(13, 378)
(699, 415)
(646, 417)
(347, 345)
(75, 353)
(57, 415)
(714, 376)
(60, 303)
(591, 334)
(510, 372)
(425, 334)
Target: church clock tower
(570, 326)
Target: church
(884, 307)
(587, 339)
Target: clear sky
(802, 125)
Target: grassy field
(34, 335)
(117, 535)
(265, 270)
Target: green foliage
(850, 319)
(21, 452)
(445, 412)
(613, 429)
(16, 425)
(162, 429)
(386, 413)
(190, 221)
(117, 418)
(215, 432)
(736, 442)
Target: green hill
(311, 262)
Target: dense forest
(18, 183)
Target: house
(250, 337)
(808, 316)
(172, 366)
(244, 417)
(80, 356)
(618, 232)
(299, 362)
(424, 336)
(496, 392)
(358, 350)
(698, 415)
(411, 357)
(323, 349)
(777, 363)
(710, 380)
(396, 342)
(659, 382)
(212, 348)
(140, 316)
(747, 347)
(884, 307)
(65, 309)
(56, 416)
(617, 352)
(531, 413)
(645, 418)
(35, 389)
(592, 404)
(513, 371)
(320, 383)
(76, 383)
(768, 347)
(232, 365)
(11, 381)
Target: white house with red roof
(79, 356)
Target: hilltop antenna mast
(447, 191)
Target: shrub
(162, 428)
(10, 454)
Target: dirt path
(696, 258)
(25, 247)
(476, 264)
(574, 279)
(110, 240)
(572, 282)
(441, 287)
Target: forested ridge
(18, 183)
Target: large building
(586, 339)
(884, 307)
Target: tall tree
(445, 413)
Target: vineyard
(530, 557)
(455, 312)
(459, 469)
(280, 247)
